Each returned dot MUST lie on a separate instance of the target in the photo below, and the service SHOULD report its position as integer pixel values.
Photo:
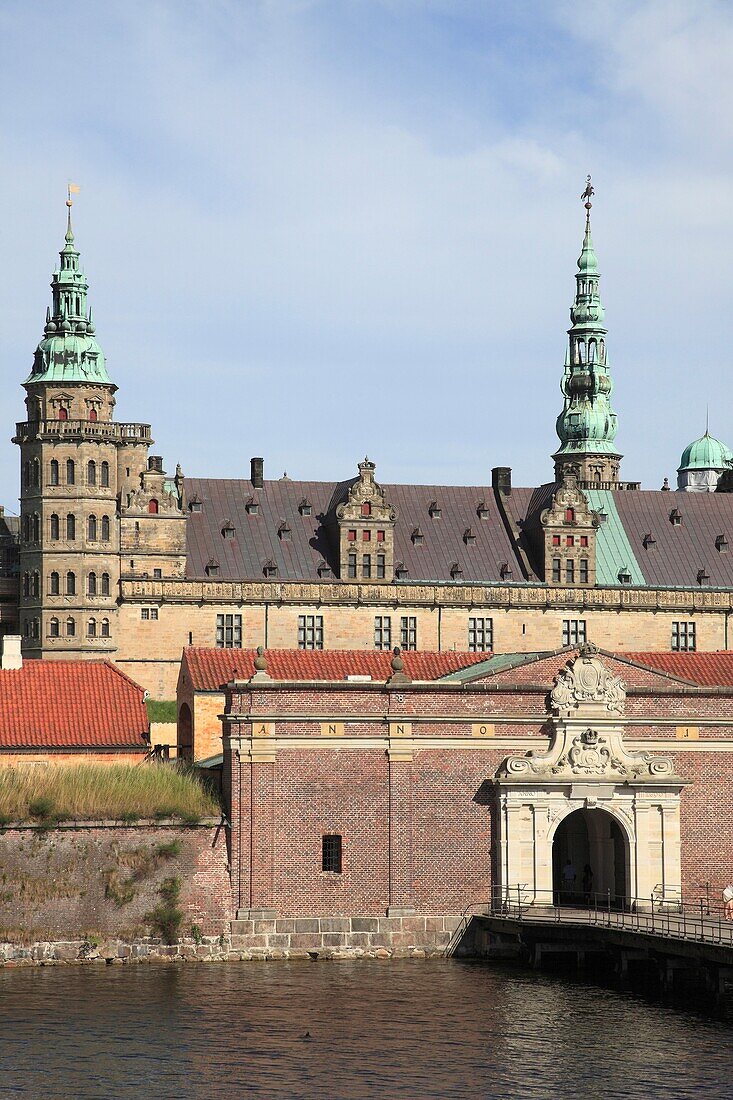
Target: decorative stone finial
(260, 665)
(397, 665)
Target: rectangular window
(144, 613)
(352, 566)
(569, 571)
(480, 635)
(382, 632)
(380, 536)
(683, 637)
(583, 540)
(573, 632)
(556, 570)
(331, 854)
(153, 612)
(366, 536)
(583, 570)
(408, 632)
(366, 566)
(570, 540)
(380, 566)
(158, 574)
(228, 631)
(310, 632)
(351, 536)
(555, 540)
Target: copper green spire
(587, 424)
(69, 351)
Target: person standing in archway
(568, 880)
(587, 883)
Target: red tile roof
(706, 669)
(209, 669)
(71, 705)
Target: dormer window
(505, 571)
(456, 572)
(305, 508)
(228, 530)
(417, 537)
(252, 506)
(482, 511)
(624, 577)
(269, 569)
(703, 576)
(602, 517)
(468, 537)
(650, 543)
(721, 544)
(212, 568)
(284, 533)
(324, 570)
(400, 571)
(195, 505)
(675, 518)
(434, 511)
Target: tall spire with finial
(69, 351)
(587, 424)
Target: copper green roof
(705, 453)
(615, 556)
(69, 351)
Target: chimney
(257, 472)
(501, 480)
(155, 462)
(11, 656)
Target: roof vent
(284, 533)
(649, 542)
(269, 569)
(456, 572)
(195, 505)
(675, 517)
(482, 511)
(624, 576)
(212, 568)
(468, 537)
(434, 510)
(305, 507)
(252, 506)
(417, 537)
(400, 571)
(703, 576)
(228, 529)
(505, 571)
(721, 544)
(602, 517)
(324, 569)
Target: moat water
(377, 1029)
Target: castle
(118, 559)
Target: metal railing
(665, 913)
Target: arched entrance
(590, 838)
(185, 733)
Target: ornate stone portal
(588, 768)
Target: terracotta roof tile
(209, 669)
(706, 669)
(70, 705)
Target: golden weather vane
(71, 189)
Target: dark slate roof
(314, 538)
(524, 506)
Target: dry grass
(88, 792)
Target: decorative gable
(366, 530)
(570, 526)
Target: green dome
(68, 357)
(706, 453)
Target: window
(105, 628)
(683, 637)
(63, 413)
(157, 574)
(36, 473)
(36, 527)
(70, 527)
(105, 584)
(555, 540)
(153, 507)
(382, 632)
(70, 627)
(573, 632)
(570, 571)
(351, 536)
(70, 471)
(305, 508)
(92, 528)
(54, 584)
(380, 536)
(366, 536)
(35, 585)
(54, 526)
(53, 628)
(229, 531)
(366, 567)
(91, 473)
(26, 528)
(570, 515)
(417, 537)
(408, 632)
(26, 475)
(583, 540)
(310, 632)
(105, 528)
(92, 628)
(434, 510)
(145, 613)
(331, 854)
(366, 508)
(229, 631)
(104, 475)
(54, 472)
(480, 635)
(380, 566)
(92, 584)
(351, 569)
(583, 570)
(70, 584)
(570, 540)
(556, 570)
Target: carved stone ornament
(366, 491)
(585, 684)
(569, 495)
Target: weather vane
(588, 193)
(73, 189)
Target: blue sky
(316, 229)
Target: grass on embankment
(162, 710)
(89, 792)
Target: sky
(319, 229)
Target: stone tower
(76, 464)
(587, 424)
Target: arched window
(53, 584)
(366, 508)
(105, 528)
(36, 527)
(104, 479)
(26, 475)
(70, 471)
(105, 584)
(70, 627)
(92, 414)
(53, 628)
(26, 528)
(54, 472)
(580, 352)
(63, 413)
(105, 628)
(36, 473)
(70, 584)
(54, 526)
(70, 527)
(603, 351)
(153, 507)
(92, 528)
(592, 351)
(92, 584)
(91, 473)
(570, 515)
(92, 628)
(26, 584)
(36, 585)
